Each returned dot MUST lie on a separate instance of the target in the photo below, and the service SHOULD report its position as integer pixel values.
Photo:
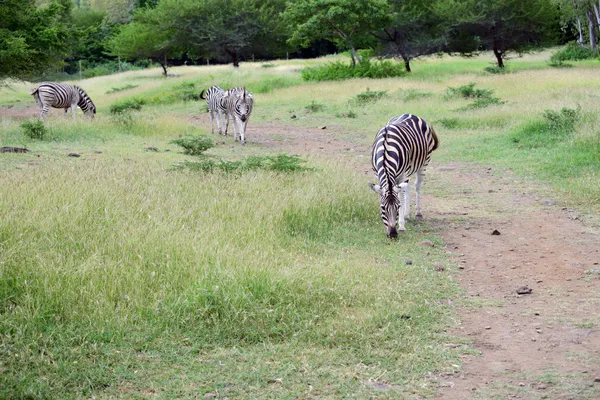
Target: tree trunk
(406, 60)
(163, 64)
(355, 54)
(498, 55)
(580, 41)
(353, 59)
(234, 57)
(592, 28)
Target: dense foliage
(102, 36)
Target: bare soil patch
(545, 344)
(19, 111)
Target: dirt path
(545, 344)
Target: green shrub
(555, 126)
(496, 70)
(194, 145)
(483, 97)
(269, 84)
(572, 52)
(268, 65)
(368, 96)
(279, 163)
(347, 114)
(120, 89)
(314, 107)
(34, 130)
(187, 91)
(121, 107)
(338, 70)
(449, 123)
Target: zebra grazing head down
(62, 95)
(239, 108)
(402, 148)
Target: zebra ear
(375, 188)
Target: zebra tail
(36, 95)
(436, 141)
(202, 95)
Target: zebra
(400, 149)
(239, 108)
(217, 103)
(62, 95)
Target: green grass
(123, 277)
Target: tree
(576, 10)
(345, 22)
(416, 29)
(32, 39)
(505, 26)
(145, 39)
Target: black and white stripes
(403, 147)
(239, 108)
(217, 104)
(62, 95)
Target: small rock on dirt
(210, 396)
(593, 271)
(152, 148)
(74, 155)
(597, 379)
(408, 262)
(293, 116)
(439, 267)
(496, 232)
(323, 127)
(524, 290)
(548, 202)
(97, 151)
(427, 243)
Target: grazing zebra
(217, 103)
(62, 95)
(239, 108)
(400, 149)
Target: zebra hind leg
(418, 185)
(407, 200)
(44, 112)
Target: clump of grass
(496, 70)
(449, 123)
(347, 114)
(337, 71)
(128, 105)
(194, 145)
(559, 64)
(313, 106)
(414, 94)
(267, 85)
(555, 126)
(34, 130)
(279, 163)
(368, 96)
(121, 88)
(572, 52)
(268, 65)
(483, 97)
(187, 91)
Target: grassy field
(123, 277)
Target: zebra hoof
(243, 142)
(419, 217)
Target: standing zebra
(400, 149)
(217, 103)
(239, 108)
(62, 95)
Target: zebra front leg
(220, 123)
(243, 131)
(401, 210)
(212, 121)
(418, 184)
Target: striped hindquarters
(215, 99)
(401, 148)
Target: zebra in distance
(62, 95)
(400, 149)
(239, 108)
(217, 104)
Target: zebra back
(215, 99)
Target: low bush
(368, 96)
(313, 106)
(134, 104)
(483, 97)
(194, 145)
(572, 52)
(338, 70)
(279, 163)
(496, 70)
(34, 130)
(414, 94)
(555, 126)
(449, 123)
(187, 91)
(347, 114)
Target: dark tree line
(59, 34)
